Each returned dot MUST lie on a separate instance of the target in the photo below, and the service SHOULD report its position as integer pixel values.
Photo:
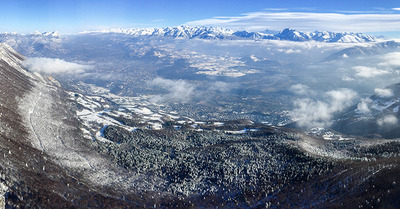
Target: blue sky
(73, 16)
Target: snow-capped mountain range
(220, 33)
(176, 32)
(53, 34)
(325, 36)
(186, 32)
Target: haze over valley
(281, 108)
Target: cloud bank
(383, 92)
(49, 65)
(182, 91)
(310, 113)
(178, 90)
(220, 86)
(387, 120)
(300, 89)
(369, 72)
(309, 21)
(363, 106)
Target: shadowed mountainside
(376, 116)
(31, 175)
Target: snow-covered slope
(374, 49)
(324, 36)
(10, 57)
(44, 158)
(220, 33)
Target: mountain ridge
(221, 33)
(38, 120)
(376, 48)
(375, 116)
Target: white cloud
(347, 78)
(183, 91)
(220, 86)
(387, 120)
(369, 72)
(178, 90)
(310, 113)
(363, 106)
(309, 21)
(291, 51)
(340, 99)
(383, 92)
(300, 89)
(391, 60)
(49, 65)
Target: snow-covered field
(53, 130)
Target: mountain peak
(325, 36)
(53, 34)
(202, 32)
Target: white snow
(143, 110)
(50, 134)
(219, 123)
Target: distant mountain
(253, 35)
(324, 36)
(36, 33)
(376, 116)
(176, 32)
(220, 33)
(34, 44)
(377, 48)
